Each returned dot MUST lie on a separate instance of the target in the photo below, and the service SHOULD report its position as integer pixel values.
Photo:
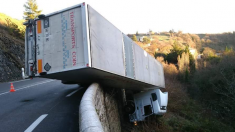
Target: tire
(129, 108)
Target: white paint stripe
(35, 123)
(34, 85)
(72, 93)
(20, 81)
(28, 86)
(4, 93)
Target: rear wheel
(129, 108)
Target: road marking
(35, 123)
(73, 92)
(34, 85)
(29, 86)
(4, 93)
(20, 81)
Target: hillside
(218, 42)
(11, 48)
(162, 44)
(19, 23)
(201, 90)
(14, 27)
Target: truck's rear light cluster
(31, 68)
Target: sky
(189, 16)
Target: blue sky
(189, 16)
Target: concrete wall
(98, 110)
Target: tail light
(31, 68)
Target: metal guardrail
(88, 118)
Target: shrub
(134, 38)
(214, 85)
(146, 40)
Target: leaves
(31, 10)
(134, 38)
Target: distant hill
(163, 42)
(218, 42)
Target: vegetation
(184, 112)
(134, 38)
(13, 26)
(14, 30)
(31, 10)
(146, 40)
(201, 91)
(214, 85)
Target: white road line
(28, 86)
(35, 123)
(72, 93)
(20, 81)
(34, 85)
(4, 93)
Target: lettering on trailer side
(72, 22)
(37, 45)
(47, 34)
(65, 50)
(46, 26)
(74, 58)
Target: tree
(175, 52)
(137, 33)
(228, 50)
(172, 32)
(134, 38)
(31, 10)
(146, 40)
(208, 52)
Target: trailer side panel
(106, 44)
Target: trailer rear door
(30, 55)
(59, 42)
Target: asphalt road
(39, 105)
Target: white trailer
(78, 45)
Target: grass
(163, 38)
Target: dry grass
(183, 113)
(19, 23)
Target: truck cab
(146, 103)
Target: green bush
(146, 40)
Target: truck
(146, 103)
(77, 45)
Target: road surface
(39, 105)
